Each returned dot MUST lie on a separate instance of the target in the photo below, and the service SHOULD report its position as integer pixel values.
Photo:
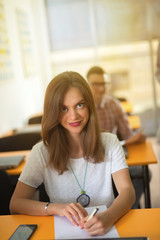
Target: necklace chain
(82, 188)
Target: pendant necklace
(83, 199)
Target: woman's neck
(75, 147)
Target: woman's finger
(76, 211)
(83, 213)
(71, 219)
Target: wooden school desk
(142, 154)
(25, 129)
(8, 133)
(38, 114)
(134, 121)
(18, 170)
(137, 222)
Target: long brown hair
(54, 135)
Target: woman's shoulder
(39, 145)
(108, 138)
(40, 149)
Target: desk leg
(147, 187)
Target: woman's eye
(80, 105)
(63, 109)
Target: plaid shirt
(113, 118)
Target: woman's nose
(73, 113)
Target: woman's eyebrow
(80, 101)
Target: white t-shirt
(64, 188)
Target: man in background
(113, 119)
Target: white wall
(22, 96)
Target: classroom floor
(155, 181)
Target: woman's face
(74, 113)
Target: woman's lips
(75, 124)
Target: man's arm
(124, 130)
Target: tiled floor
(155, 181)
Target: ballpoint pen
(93, 213)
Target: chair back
(18, 142)
(35, 120)
(6, 190)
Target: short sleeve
(118, 157)
(114, 152)
(33, 171)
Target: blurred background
(42, 38)
(39, 39)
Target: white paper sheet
(65, 230)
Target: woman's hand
(97, 225)
(73, 211)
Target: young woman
(75, 161)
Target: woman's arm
(102, 222)
(22, 203)
(126, 194)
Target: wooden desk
(8, 133)
(127, 106)
(18, 170)
(24, 129)
(137, 222)
(9, 223)
(134, 121)
(142, 154)
(38, 114)
(29, 129)
(140, 222)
